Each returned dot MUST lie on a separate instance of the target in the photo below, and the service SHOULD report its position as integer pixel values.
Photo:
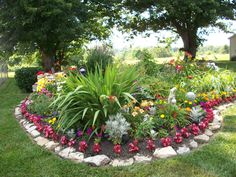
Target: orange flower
(188, 109)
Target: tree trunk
(47, 60)
(190, 42)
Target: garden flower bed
(107, 118)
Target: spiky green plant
(87, 101)
(197, 114)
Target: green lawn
(20, 157)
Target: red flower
(117, 148)
(190, 77)
(202, 125)
(133, 147)
(71, 143)
(83, 146)
(194, 129)
(150, 145)
(178, 138)
(185, 133)
(166, 141)
(72, 68)
(40, 73)
(63, 140)
(96, 148)
(48, 131)
(179, 68)
(39, 127)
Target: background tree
(188, 18)
(51, 26)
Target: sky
(119, 40)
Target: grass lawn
(20, 157)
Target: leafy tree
(51, 26)
(188, 18)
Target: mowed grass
(20, 157)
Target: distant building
(233, 47)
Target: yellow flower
(52, 121)
(141, 111)
(134, 113)
(195, 101)
(144, 103)
(185, 101)
(188, 109)
(162, 116)
(190, 102)
(136, 108)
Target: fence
(3, 72)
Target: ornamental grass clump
(87, 101)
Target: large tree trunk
(47, 60)
(190, 42)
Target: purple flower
(79, 133)
(89, 131)
(99, 135)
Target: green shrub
(40, 104)
(147, 64)
(88, 101)
(26, 77)
(100, 56)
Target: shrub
(99, 57)
(26, 77)
(40, 104)
(88, 101)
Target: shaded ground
(19, 157)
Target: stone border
(101, 160)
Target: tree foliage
(51, 26)
(188, 18)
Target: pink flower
(63, 140)
(71, 143)
(185, 133)
(117, 149)
(83, 146)
(202, 125)
(178, 138)
(96, 148)
(150, 145)
(195, 129)
(133, 147)
(166, 141)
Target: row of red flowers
(185, 132)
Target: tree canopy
(51, 26)
(188, 18)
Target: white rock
(31, 129)
(51, 145)
(121, 162)
(214, 127)
(17, 111)
(193, 144)
(28, 125)
(41, 141)
(98, 160)
(164, 152)
(183, 150)
(142, 159)
(202, 138)
(208, 132)
(76, 156)
(58, 149)
(34, 133)
(22, 121)
(65, 152)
